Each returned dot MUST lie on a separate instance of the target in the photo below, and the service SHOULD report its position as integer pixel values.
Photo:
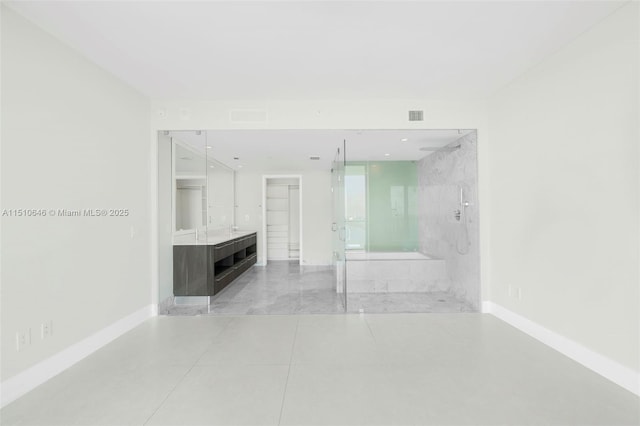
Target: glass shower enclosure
(338, 226)
(405, 231)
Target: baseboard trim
(606, 367)
(20, 384)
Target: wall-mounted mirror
(220, 196)
(203, 188)
(190, 188)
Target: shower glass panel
(392, 213)
(356, 206)
(386, 270)
(411, 226)
(381, 206)
(339, 224)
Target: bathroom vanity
(205, 268)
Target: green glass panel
(391, 219)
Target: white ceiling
(289, 150)
(316, 50)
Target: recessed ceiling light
(213, 167)
(386, 155)
(209, 147)
(240, 166)
(404, 139)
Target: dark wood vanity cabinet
(189, 270)
(205, 270)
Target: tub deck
(395, 272)
(384, 255)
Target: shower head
(443, 148)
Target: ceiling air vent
(416, 115)
(314, 157)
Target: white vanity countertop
(212, 239)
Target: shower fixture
(462, 242)
(443, 148)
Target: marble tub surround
(441, 176)
(410, 272)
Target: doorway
(282, 218)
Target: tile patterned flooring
(288, 288)
(367, 369)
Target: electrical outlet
(46, 329)
(23, 338)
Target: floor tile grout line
(370, 330)
(224, 327)
(169, 394)
(284, 393)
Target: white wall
(565, 185)
(74, 137)
(165, 220)
(316, 211)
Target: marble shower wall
(441, 175)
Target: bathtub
(385, 255)
(395, 272)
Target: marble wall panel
(442, 176)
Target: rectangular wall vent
(313, 157)
(416, 115)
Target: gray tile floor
(288, 288)
(402, 369)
